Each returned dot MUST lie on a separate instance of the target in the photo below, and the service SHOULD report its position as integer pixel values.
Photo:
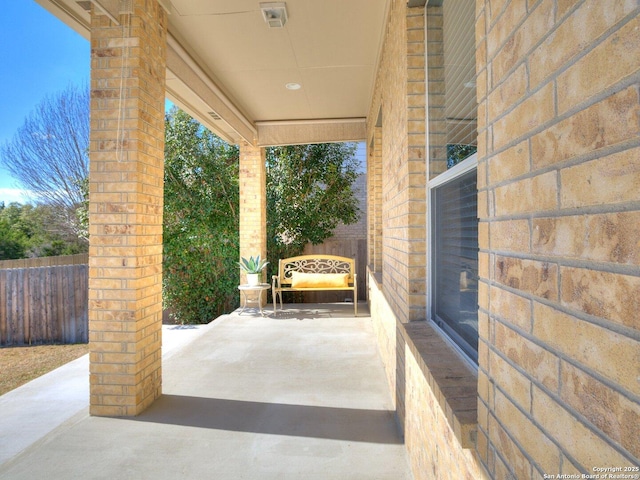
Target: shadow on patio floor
(348, 424)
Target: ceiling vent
(274, 13)
(214, 115)
(85, 5)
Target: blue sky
(40, 56)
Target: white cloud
(9, 195)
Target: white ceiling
(233, 64)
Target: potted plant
(253, 268)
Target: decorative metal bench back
(313, 264)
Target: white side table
(246, 289)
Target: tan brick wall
(559, 187)
(125, 211)
(559, 261)
(437, 134)
(397, 296)
(434, 449)
(384, 326)
(374, 199)
(253, 203)
(400, 98)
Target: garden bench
(315, 273)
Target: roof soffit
(329, 47)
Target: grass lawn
(19, 365)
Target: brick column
(125, 210)
(253, 204)
(374, 177)
(417, 169)
(437, 128)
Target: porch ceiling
(228, 69)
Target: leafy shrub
(200, 222)
(308, 193)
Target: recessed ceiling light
(293, 86)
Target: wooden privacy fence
(77, 259)
(44, 305)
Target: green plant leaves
(252, 265)
(200, 222)
(309, 192)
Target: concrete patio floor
(299, 395)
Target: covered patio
(298, 395)
(241, 74)
(540, 379)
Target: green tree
(32, 231)
(48, 155)
(51, 237)
(13, 243)
(309, 192)
(200, 221)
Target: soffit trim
(182, 65)
(297, 132)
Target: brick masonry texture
(385, 330)
(397, 168)
(125, 212)
(399, 102)
(374, 201)
(253, 203)
(435, 451)
(560, 198)
(559, 261)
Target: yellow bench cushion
(319, 280)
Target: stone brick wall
(559, 184)
(384, 326)
(434, 449)
(397, 293)
(125, 211)
(399, 102)
(437, 136)
(253, 201)
(559, 260)
(433, 445)
(374, 201)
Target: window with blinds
(455, 260)
(452, 118)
